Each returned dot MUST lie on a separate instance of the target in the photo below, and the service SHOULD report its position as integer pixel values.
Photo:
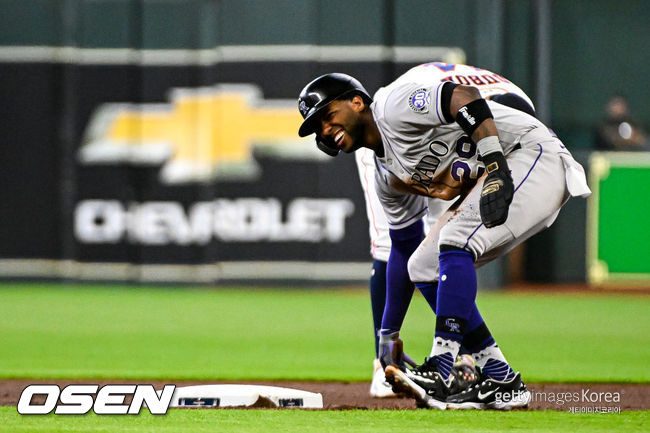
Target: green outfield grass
(57, 331)
(357, 421)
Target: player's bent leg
(534, 206)
(467, 232)
(540, 189)
(455, 298)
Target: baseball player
(490, 85)
(445, 141)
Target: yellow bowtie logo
(203, 134)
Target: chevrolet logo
(203, 134)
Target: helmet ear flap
(322, 145)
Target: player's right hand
(391, 349)
(497, 191)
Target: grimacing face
(341, 125)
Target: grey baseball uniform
(488, 83)
(425, 155)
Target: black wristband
(470, 116)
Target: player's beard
(356, 133)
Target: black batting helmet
(320, 93)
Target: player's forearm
(475, 117)
(486, 129)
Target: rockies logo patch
(303, 107)
(419, 101)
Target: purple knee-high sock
(454, 307)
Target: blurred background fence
(156, 140)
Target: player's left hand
(497, 191)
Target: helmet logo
(303, 108)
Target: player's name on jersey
(480, 79)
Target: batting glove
(498, 188)
(391, 351)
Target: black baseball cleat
(427, 376)
(424, 384)
(492, 394)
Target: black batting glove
(498, 188)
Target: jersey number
(466, 149)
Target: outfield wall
(97, 186)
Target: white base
(206, 396)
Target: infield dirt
(338, 396)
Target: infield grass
(358, 421)
(102, 331)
